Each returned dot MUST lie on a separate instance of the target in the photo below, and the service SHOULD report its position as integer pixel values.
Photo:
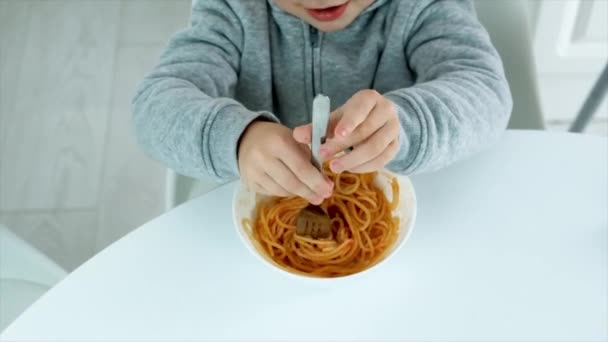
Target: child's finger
(272, 187)
(380, 161)
(302, 134)
(283, 176)
(369, 149)
(307, 173)
(373, 122)
(334, 118)
(354, 111)
(258, 188)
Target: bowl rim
(253, 250)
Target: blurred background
(72, 178)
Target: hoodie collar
(376, 4)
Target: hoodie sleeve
(461, 100)
(183, 111)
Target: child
(414, 85)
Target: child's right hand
(273, 163)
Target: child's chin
(330, 26)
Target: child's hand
(273, 163)
(369, 123)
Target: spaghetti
(363, 228)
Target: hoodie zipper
(314, 44)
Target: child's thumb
(303, 134)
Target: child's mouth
(329, 13)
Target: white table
(509, 245)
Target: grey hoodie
(246, 59)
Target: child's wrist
(253, 125)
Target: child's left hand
(368, 122)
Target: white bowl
(244, 207)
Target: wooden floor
(72, 178)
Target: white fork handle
(320, 120)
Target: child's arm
(185, 115)
(183, 111)
(460, 103)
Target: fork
(313, 221)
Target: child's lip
(328, 13)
